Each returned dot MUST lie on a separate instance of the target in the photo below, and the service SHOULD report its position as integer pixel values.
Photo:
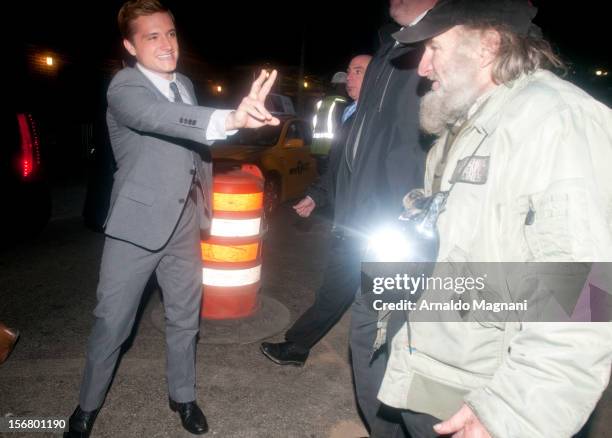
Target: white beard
(449, 103)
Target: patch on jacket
(471, 170)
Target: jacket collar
(486, 112)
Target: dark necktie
(175, 91)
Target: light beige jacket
(550, 151)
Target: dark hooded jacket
(389, 157)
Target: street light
(45, 62)
(305, 84)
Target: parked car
(101, 167)
(281, 152)
(26, 197)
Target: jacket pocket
(462, 375)
(138, 192)
(557, 224)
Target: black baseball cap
(516, 14)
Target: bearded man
(525, 159)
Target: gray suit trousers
(124, 273)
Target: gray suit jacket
(156, 145)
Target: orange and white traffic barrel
(231, 256)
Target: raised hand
(251, 113)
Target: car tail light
(30, 145)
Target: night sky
(227, 39)
(226, 33)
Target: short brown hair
(133, 9)
(520, 54)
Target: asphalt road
(47, 291)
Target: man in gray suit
(160, 201)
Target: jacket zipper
(382, 98)
(353, 152)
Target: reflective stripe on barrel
(231, 256)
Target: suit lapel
(185, 83)
(147, 82)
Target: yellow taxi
(281, 152)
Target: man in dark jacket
(321, 193)
(337, 291)
(382, 161)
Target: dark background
(224, 43)
(228, 40)
(226, 33)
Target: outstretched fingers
(267, 86)
(257, 84)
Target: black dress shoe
(285, 353)
(192, 417)
(80, 423)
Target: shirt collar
(413, 23)
(162, 84)
(419, 18)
